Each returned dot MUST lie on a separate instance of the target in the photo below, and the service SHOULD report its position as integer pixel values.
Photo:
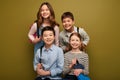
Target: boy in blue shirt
(51, 56)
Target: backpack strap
(37, 30)
(77, 29)
(40, 54)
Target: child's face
(48, 37)
(45, 12)
(67, 23)
(75, 42)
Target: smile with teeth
(74, 44)
(45, 14)
(48, 40)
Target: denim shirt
(40, 43)
(52, 59)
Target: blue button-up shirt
(52, 59)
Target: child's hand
(43, 72)
(39, 66)
(73, 62)
(36, 40)
(77, 71)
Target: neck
(75, 50)
(71, 30)
(47, 46)
(46, 20)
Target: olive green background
(100, 19)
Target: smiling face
(75, 42)
(48, 37)
(45, 12)
(67, 23)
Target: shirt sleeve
(66, 69)
(62, 41)
(60, 64)
(36, 59)
(56, 28)
(86, 65)
(32, 31)
(84, 35)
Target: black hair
(67, 15)
(48, 28)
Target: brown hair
(79, 36)
(51, 18)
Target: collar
(47, 49)
(67, 34)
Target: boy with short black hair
(50, 56)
